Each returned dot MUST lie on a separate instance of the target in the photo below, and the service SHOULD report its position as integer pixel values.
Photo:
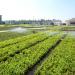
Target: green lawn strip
(61, 61)
(20, 63)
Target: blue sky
(37, 9)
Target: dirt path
(3, 31)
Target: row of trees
(38, 22)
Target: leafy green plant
(19, 64)
(61, 61)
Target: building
(0, 19)
(70, 22)
(57, 22)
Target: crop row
(61, 61)
(20, 63)
(16, 48)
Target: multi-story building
(0, 19)
(70, 22)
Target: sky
(37, 9)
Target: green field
(39, 50)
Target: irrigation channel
(31, 70)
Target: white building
(70, 22)
(57, 22)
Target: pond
(71, 32)
(51, 32)
(18, 29)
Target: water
(18, 29)
(51, 32)
(70, 32)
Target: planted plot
(61, 61)
(19, 39)
(20, 63)
(68, 28)
(11, 35)
(11, 50)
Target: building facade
(70, 22)
(0, 19)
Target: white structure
(57, 22)
(70, 22)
